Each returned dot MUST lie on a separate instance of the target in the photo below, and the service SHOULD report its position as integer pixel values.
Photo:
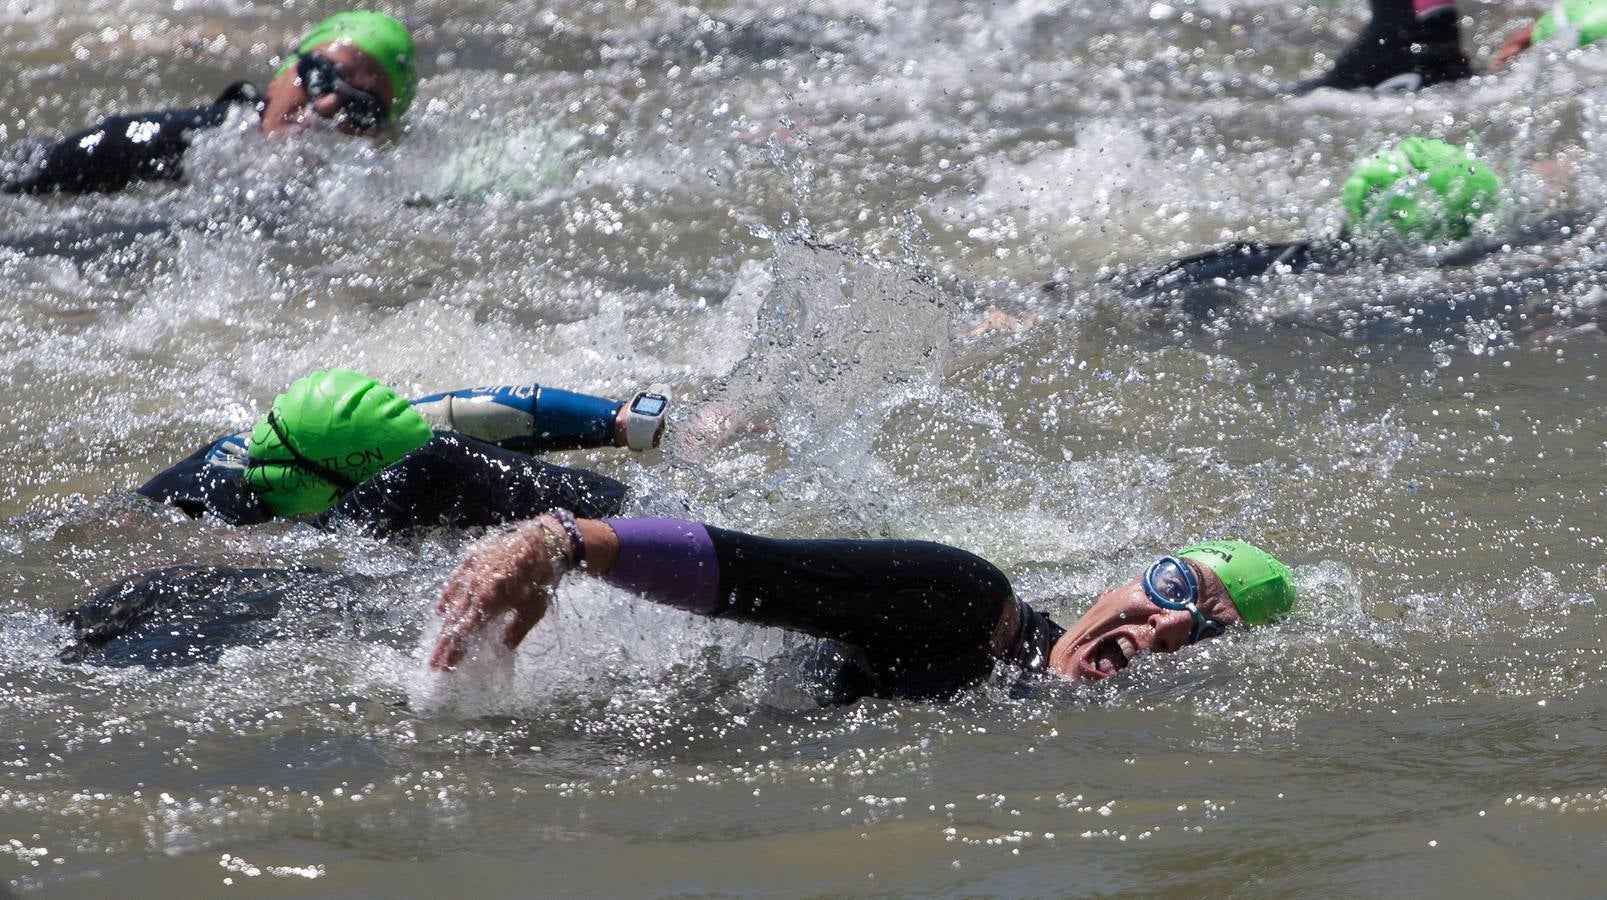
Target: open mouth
(1108, 656)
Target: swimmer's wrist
(544, 538)
(622, 416)
(602, 545)
(572, 535)
(592, 547)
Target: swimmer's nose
(328, 106)
(1172, 629)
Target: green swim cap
(1423, 187)
(382, 38)
(1586, 18)
(1258, 584)
(326, 434)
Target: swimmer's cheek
(285, 104)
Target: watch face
(649, 404)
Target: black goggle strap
(298, 461)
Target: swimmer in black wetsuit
(348, 452)
(344, 449)
(355, 70)
(1428, 193)
(1412, 44)
(1420, 190)
(905, 619)
(1407, 45)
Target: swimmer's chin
(305, 123)
(282, 130)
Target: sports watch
(644, 420)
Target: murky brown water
(1431, 722)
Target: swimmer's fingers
(524, 619)
(468, 600)
(509, 571)
(453, 641)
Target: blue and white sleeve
(528, 418)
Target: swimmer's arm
(916, 597)
(122, 149)
(996, 320)
(1230, 262)
(531, 418)
(108, 156)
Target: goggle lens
(1170, 581)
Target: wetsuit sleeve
(210, 480)
(918, 616)
(527, 418)
(1202, 285)
(1245, 259)
(123, 149)
(460, 482)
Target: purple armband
(668, 561)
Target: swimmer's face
(289, 108)
(1124, 623)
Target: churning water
(792, 215)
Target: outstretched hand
(1516, 43)
(509, 572)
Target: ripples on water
(593, 195)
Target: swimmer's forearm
(1516, 43)
(528, 418)
(667, 561)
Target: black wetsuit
(182, 615)
(120, 150)
(1208, 284)
(1399, 50)
(908, 620)
(1200, 284)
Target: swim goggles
(319, 76)
(1170, 584)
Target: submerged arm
(1244, 259)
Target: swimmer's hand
(998, 321)
(1516, 43)
(512, 572)
(711, 425)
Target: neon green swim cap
(382, 38)
(1423, 187)
(1586, 18)
(326, 434)
(1259, 585)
